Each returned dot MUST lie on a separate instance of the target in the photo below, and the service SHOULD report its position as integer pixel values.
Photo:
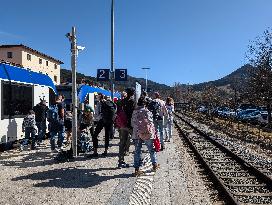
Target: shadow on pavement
(70, 177)
(34, 159)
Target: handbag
(157, 143)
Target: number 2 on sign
(102, 74)
(122, 73)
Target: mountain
(66, 77)
(238, 77)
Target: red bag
(157, 143)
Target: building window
(17, 99)
(56, 66)
(46, 63)
(40, 61)
(9, 54)
(28, 57)
(55, 78)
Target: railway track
(236, 179)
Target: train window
(17, 99)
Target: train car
(20, 90)
(84, 92)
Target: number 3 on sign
(123, 74)
(120, 74)
(103, 74)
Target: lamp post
(72, 38)
(74, 52)
(146, 77)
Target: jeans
(159, 128)
(124, 143)
(169, 128)
(60, 133)
(41, 130)
(30, 133)
(138, 150)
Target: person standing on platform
(143, 132)
(40, 117)
(55, 117)
(169, 119)
(98, 121)
(158, 109)
(108, 110)
(127, 105)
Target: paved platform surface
(33, 177)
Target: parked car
(242, 114)
(225, 112)
(202, 109)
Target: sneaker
(162, 147)
(155, 167)
(137, 173)
(123, 165)
(54, 151)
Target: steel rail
(252, 170)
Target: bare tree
(177, 92)
(260, 83)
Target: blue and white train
(20, 90)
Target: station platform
(34, 177)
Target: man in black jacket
(40, 117)
(128, 105)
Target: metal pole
(74, 90)
(112, 49)
(146, 77)
(145, 80)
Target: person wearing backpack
(158, 109)
(108, 110)
(30, 129)
(143, 132)
(55, 117)
(169, 120)
(40, 117)
(126, 108)
(103, 118)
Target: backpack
(108, 111)
(121, 117)
(155, 108)
(53, 114)
(64, 155)
(145, 128)
(84, 142)
(169, 112)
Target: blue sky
(187, 41)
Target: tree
(260, 83)
(177, 92)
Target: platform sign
(103, 74)
(121, 74)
